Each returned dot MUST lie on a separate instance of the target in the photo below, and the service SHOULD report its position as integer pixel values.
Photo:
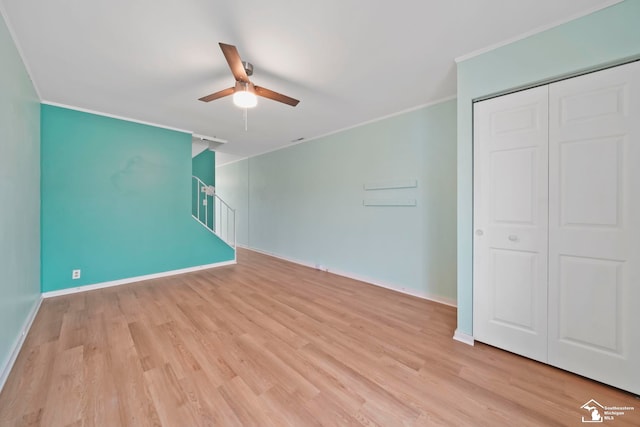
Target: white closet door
(510, 222)
(594, 226)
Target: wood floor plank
(320, 406)
(279, 372)
(24, 405)
(369, 390)
(135, 404)
(210, 406)
(165, 387)
(211, 354)
(288, 409)
(63, 404)
(147, 346)
(270, 343)
(331, 388)
(246, 405)
(100, 404)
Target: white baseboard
(282, 257)
(463, 338)
(369, 280)
(422, 295)
(6, 369)
(102, 285)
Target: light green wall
(116, 201)
(232, 185)
(600, 38)
(305, 202)
(19, 197)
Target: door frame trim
(555, 79)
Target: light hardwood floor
(269, 343)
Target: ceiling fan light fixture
(244, 92)
(244, 96)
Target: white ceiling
(348, 61)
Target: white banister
(209, 200)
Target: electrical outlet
(204, 202)
(75, 274)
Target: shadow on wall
(138, 175)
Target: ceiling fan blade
(266, 93)
(219, 94)
(235, 63)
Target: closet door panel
(510, 222)
(594, 225)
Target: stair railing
(214, 213)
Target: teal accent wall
(204, 167)
(609, 35)
(116, 201)
(19, 197)
(232, 185)
(305, 202)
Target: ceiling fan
(244, 92)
